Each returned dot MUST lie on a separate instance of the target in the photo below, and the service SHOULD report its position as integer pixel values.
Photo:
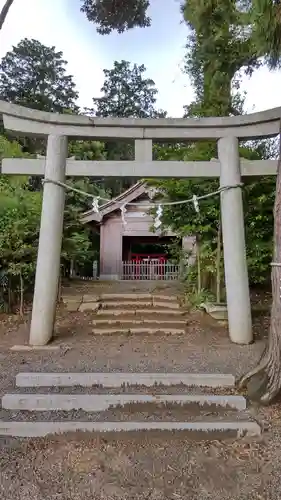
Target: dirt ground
(141, 467)
(136, 466)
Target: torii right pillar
(234, 248)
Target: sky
(160, 48)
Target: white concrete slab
(163, 303)
(137, 311)
(125, 303)
(103, 402)
(161, 329)
(41, 429)
(126, 296)
(30, 348)
(169, 298)
(133, 321)
(118, 379)
(142, 330)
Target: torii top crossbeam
(29, 121)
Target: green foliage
(10, 149)
(255, 31)
(86, 150)
(127, 93)
(34, 75)
(77, 243)
(119, 15)
(266, 20)
(195, 298)
(258, 197)
(216, 51)
(19, 230)
(20, 208)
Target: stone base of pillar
(109, 277)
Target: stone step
(102, 402)
(138, 297)
(168, 305)
(92, 302)
(44, 428)
(112, 379)
(124, 320)
(164, 298)
(199, 414)
(126, 296)
(138, 304)
(142, 330)
(125, 303)
(139, 312)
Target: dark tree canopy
(34, 75)
(266, 17)
(127, 93)
(119, 15)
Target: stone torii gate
(226, 130)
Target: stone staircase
(201, 405)
(134, 313)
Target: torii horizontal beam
(40, 123)
(137, 169)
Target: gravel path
(137, 466)
(131, 412)
(158, 467)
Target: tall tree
(263, 382)
(34, 75)
(216, 52)
(266, 19)
(127, 93)
(119, 15)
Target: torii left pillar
(50, 240)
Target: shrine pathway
(166, 467)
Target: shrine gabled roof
(107, 208)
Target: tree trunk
(21, 295)
(59, 287)
(264, 381)
(10, 300)
(4, 12)
(72, 269)
(218, 265)
(199, 282)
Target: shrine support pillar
(234, 248)
(50, 240)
